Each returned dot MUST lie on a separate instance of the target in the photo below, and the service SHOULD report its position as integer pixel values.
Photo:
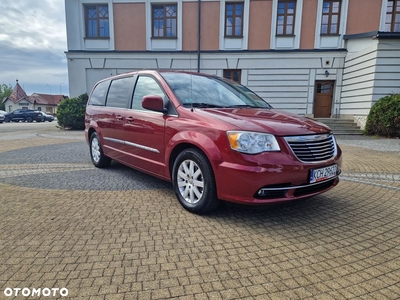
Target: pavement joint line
(10, 171)
(374, 176)
(17, 136)
(44, 135)
(369, 183)
(32, 135)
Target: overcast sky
(32, 45)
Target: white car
(3, 112)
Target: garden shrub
(384, 117)
(71, 112)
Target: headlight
(252, 142)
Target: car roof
(154, 72)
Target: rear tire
(194, 183)
(29, 119)
(96, 152)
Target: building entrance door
(323, 99)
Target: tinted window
(145, 86)
(98, 94)
(119, 92)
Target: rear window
(119, 93)
(98, 95)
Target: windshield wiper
(247, 106)
(239, 106)
(201, 105)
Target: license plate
(322, 174)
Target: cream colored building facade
(321, 58)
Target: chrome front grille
(313, 148)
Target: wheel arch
(90, 132)
(185, 140)
(90, 129)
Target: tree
(5, 91)
(71, 112)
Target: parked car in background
(2, 118)
(47, 117)
(213, 138)
(3, 112)
(23, 115)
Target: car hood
(272, 121)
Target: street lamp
(49, 87)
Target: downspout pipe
(198, 35)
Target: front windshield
(201, 91)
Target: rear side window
(119, 93)
(99, 94)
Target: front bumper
(285, 180)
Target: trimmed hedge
(71, 112)
(384, 117)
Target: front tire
(29, 119)
(193, 181)
(96, 152)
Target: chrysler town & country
(214, 139)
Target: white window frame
(240, 43)
(107, 43)
(161, 44)
(383, 15)
(337, 41)
(295, 43)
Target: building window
(234, 19)
(392, 22)
(330, 17)
(164, 21)
(233, 74)
(97, 23)
(285, 19)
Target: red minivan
(213, 138)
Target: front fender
(186, 139)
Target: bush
(71, 112)
(384, 117)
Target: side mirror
(155, 103)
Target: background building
(20, 100)
(321, 58)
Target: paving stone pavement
(120, 234)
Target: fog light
(262, 193)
